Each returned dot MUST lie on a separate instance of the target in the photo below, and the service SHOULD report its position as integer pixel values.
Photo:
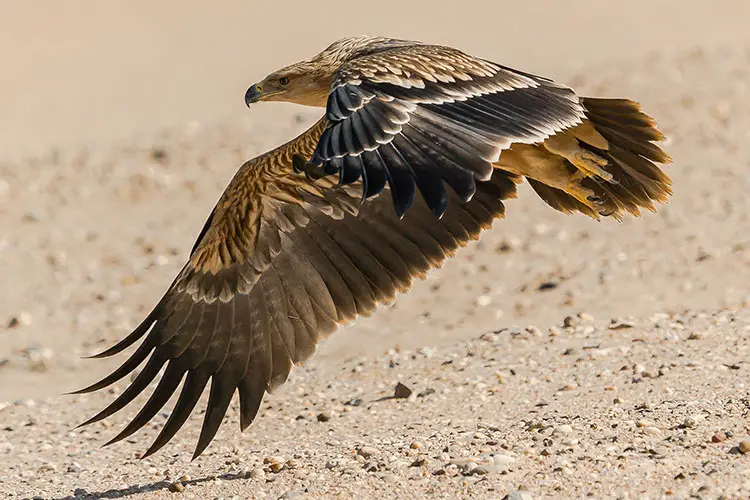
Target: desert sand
(558, 357)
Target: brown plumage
(290, 252)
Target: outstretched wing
(281, 262)
(422, 115)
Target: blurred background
(81, 72)
(121, 122)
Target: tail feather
(632, 155)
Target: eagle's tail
(604, 167)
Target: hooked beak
(252, 95)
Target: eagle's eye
(284, 80)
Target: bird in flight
(418, 147)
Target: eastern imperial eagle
(326, 227)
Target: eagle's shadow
(150, 487)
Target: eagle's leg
(587, 162)
(550, 168)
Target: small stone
(644, 423)
(176, 487)
(484, 300)
(47, 467)
(692, 421)
(468, 469)
(389, 477)
(518, 495)
(401, 391)
(419, 462)
(371, 466)
(502, 460)
(276, 467)
(324, 416)
(652, 431)
(719, 437)
(563, 429)
(744, 446)
(439, 472)
(569, 322)
(547, 285)
(75, 467)
(620, 324)
(258, 473)
(415, 445)
(533, 330)
(506, 246)
(290, 495)
(367, 451)
(584, 316)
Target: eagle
(416, 152)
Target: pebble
(276, 467)
(291, 463)
(176, 487)
(481, 470)
(484, 300)
(47, 467)
(389, 477)
(620, 324)
(744, 446)
(502, 460)
(563, 429)
(367, 451)
(401, 391)
(324, 416)
(652, 431)
(692, 421)
(518, 495)
(719, 437)
(371, 466)
(258, 473)
(584, 316)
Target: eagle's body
(291, 252)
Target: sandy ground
(126, 122)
